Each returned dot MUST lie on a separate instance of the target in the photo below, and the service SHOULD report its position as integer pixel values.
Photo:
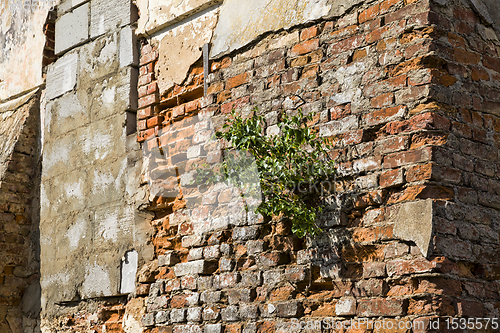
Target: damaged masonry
(108, 108)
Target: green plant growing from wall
(290, 168)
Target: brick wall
(408, 92)
(19, 249)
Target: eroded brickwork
(408, 92)
(19, 231)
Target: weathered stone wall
(93, 237)
(19, 249)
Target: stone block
(414, 222)
(98, 58)
(194, 314)
(178, 315)
(129, 53)
(168, 259)
(249, 311)
(114, 95)
(289, 310)
(346, 307)
(66, 114)
(162, 317)
(228, 37)
(107, 15)
(245, 233)
(230, 313)
(210, 296)
(61, 76)
(194, 267)
(72, 29)
(213, 328)
(67, 5)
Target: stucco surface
(157, 14)
(242, 21)
(22, 42)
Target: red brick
(372, 234)
(391, 178)
(492, 63)
(341, 111)
(466, 15)
(152, 88)
(382, 100)
(428, 138)
(466, 57)
(408, 157)
(431, 305)
(391, 145)
(406, 267)
(192, 106)
(382, 116)
(352, 138)
(428, 120)
(146, 48)
(369, 14)
(386, 5)
(148, 57)
(148, 100)
(215, 88)
(344, 32)
(144, 135)
(310, 71)
(237, 80)
(392, 84)
(405, 12)
(422, 192)
(141, 125)
(309, 33)
(381, 307)
(470, 308)
(145, 79)
(142, 91)
(178, 111)
(304, 47)
(226, 108)
(419, 172)
(347, 44)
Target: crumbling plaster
(229, 27)
(22, 42)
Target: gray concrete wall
(90, 177)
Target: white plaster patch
(108, 227)
(74, 190)
(108, 95)
(113, 224)
(102, 181)
(97, 143)
(128, 272)
(61, 278)
(97, 282)
(58, 154)
(76, 232)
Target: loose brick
(194, 267)
(304, 47)
(381, 307)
